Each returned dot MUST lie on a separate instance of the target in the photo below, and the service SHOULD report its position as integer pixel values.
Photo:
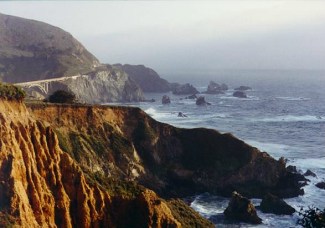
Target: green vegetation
(186, 215)
(11, 92)
(313, 217)
(144, 131)
(114, 186)
(63, 142)
(61, 96)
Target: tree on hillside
(62, 96)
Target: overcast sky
(185, 36)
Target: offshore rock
(321, 185)
(215, 88)
(165, 99)
(184, 89)
(193, 96)
(241, 209)
(239, 94)
(309, 173)
(243, 88)
(201, 101)
(275, 205)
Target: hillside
(145, 77)
(33, 51)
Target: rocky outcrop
(239, 94)
(184, 89)
(32, 50)
(243, 88)
(107, 84)
(275, 205)
(321, 185)
(309, 173)
(168, 160)
(41, 185)
(145, 77)
(165, 99)
(241, 209)
(201, 101)
(215, 88)
(193, 96)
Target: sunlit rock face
(42, 185)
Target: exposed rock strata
(107, 84)
(171, 161)
(43, 186)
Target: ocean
(283, 115)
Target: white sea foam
(151, 111)
(249, 98)
(310, 163)
(293, 98)
(292, 118)
(276, 150)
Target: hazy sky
(186, 36)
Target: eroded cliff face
(105, 84)
(43, 186)
(171, 161)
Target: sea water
(283, 115)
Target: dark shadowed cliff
(147, 78)
(127, 143)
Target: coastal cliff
(40, 55)
(125, 142)
(41, 185)
(146, 78)
(106, 84)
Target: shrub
(61, 96)
(11, 92)
(312, 217)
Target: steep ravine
(43, 186)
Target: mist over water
(283, 115)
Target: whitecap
(310, 163)
(248, 98)
(276, 150)
(151, 111)
(292, 118)
(293, 98)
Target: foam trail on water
(292, 118)
(293, 98)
